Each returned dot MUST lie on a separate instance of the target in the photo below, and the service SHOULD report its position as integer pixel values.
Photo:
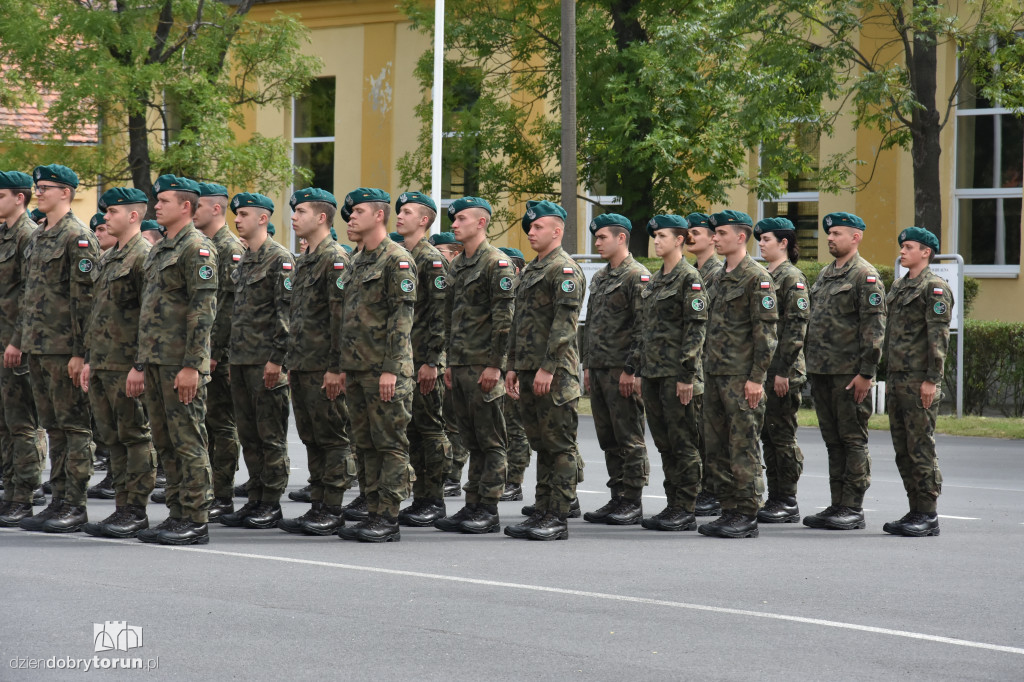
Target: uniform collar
(623, 266)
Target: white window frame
(797, 197)
(308, 140)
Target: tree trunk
(138, 156)
(925, 129)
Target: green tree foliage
(166, 80)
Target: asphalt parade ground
(608, 604)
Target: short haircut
(681, 232)
(221, 201)
(430, 213)
(327, 209)
(616, 230)
(26, 194)
(191, 197)
(748, 231)
(380, 206)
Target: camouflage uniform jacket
(58, 288)
(478, 308)
(794, 310)
(547, 311)
(229, 255)
(428, 320)
(263, 295)
(674, 323)
(741, 324)
(847, 320)
(13, 241)
(376, 325)
(917, 330)
(611, 336)
(113, 328)
(315, 323)
(711, 272)
(179, 301)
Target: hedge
(993, 367)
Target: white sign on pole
(590, 268)
(951, 273)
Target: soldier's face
(9, 202)
(362, 221)
(702, 239)
(467, 223)
(116, 225)
(545, 234)
(247, 221)
(104, 237)
(152, 236)
(169, 209)
(728, 240)
(49, 195)
(204, 212)
(409, 220)
(664, 243)
(842, 240)
(448, 252)
(913, 254)
(304, 220)
(607, 244)
(771, 248)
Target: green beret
(302, 196)
(15, 180)
(56, 173)
(609, 219)
(773, 225)
(36, 215)
(151, 226)
(348, 249)
(415, 198)
(345, 212)
(662, 221)
(443, 238)
(396, 237)
(119, 196)
(271, 230)
(212, 189)
(172, 183)
(847, 219)
(539, 209)
(921, 236)
(362, 195)
(699, 220)
(250, 200)
(460, 205)
(730, 218)
(512, 253)
(97, 220)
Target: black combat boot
(295, 525)
(731, 524)
(628, 513)
(384, 528)
(452, 488)
(14, 513)
(69, 519)
(266, 515)
(35, 523)
(357, 509)
(574, 510)
(159, 496)
(104, 490)
(220, 507)
(38, 498)
(302, 494)
(671, 519)
(185, 533)
(161, 477)
(600, 515)
(513, 493)
(327, 522)
(821, 518)
(151, 535)
(453, 523)
(351, 532)
(846, 518)
(240, 491)
(129, 524)
(95, 529)
(47, 488)
(551, 526)
(519, 530)
(779, 509)
(235, 519)
(914, 525)
(483, 520)
(101, 461)
(422, 512)
(707, 505)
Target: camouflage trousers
(619, 423)
(122, 427)
(429, 450)
(482, 427)
(518, 446)
(912, 428)
(674, 428)
(551, 423)
(179, 434)
(379, 434)
(844, 428)
(783, 460)
(63, 410)
(458, 455)
(731, 430)
(261, 416)
(323, 427)
(221, 431)
(21, 448)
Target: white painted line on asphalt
(606, 492)
(571, 593)
(960, 518)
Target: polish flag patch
(202, 252)
(436, 263)
(766, 285)
(937, 291)
(696, 286)
(502, 263)
(645, 278)
(800, 285)
(339, 266)
(83, 243)
(286, 266)
(236, 257)
(871, 279)
(566, 271)
(403, 265)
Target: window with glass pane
(804, 216)
(313, 132)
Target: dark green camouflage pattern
(917, 330)
(674, 428)
(482, 430)
(731, 430)
(478, 308)
(612, 334)
(122, 427)
(323, 426)
(741, 324)
(263, 294)
(229, 255)
(674, 323)
(318, 289)
(113, 327)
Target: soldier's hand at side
(637, 385)
(186, 383)
(12, 357)
(344, 383)
(427, 378)
(135, 384)
(75, 369)
(928, 390)
(684, 392)
(860, 387)
(542, 382)
(387, 386)
(271, 375)
(781, 386)
(489, 378)
(332, 384)
(213, 365)
(753, 392)
(512, 384)
(84, 378)
(586, 380)
(448, 378)
(627, 384)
